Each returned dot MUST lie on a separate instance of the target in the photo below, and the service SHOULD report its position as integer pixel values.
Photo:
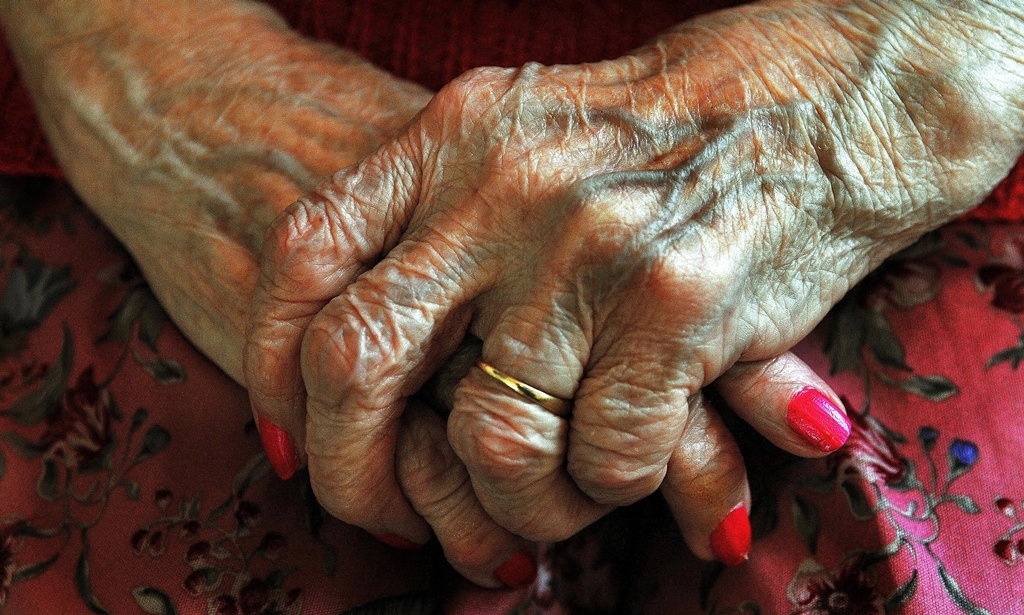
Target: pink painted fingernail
(396, 541)
(279, 448)
(818, 420)
(730, 542)
(519, 571)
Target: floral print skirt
(132, 480)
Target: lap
(132, 477)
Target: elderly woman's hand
(187, 126)
(620, 234)
(187, 152)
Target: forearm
(187, 125)
(910, 111)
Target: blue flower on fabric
(964, 451)
(927, 435)
(962, 455)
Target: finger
(652, 350)
(706, 488)
(367, 351)
(311, 252)
(438, 486)
(515, 451)
(513, 448)
(629, 414)
(784, 400)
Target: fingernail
(818, 420)
(396, 541)
(279, 448)
(519, 571)
(730, 541)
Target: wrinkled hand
(619, 234)
(187, 153)
(188, 126)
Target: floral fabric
(132, 481)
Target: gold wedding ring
(552, 404)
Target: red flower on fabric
(869, 453)
(247, 514)
(1005, 277)
(224, 605)
(8, 565)
(254, 598)
(257, 598)
(80, 431)
(1010, 551)
(848, 589)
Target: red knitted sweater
(433, 42)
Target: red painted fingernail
(519, 571)
(397, 541)
(280, 450)
(730, 541)
(818, 420)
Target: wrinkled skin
(186, 138)
(188, 126)
(619, 234)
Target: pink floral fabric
(131, 478)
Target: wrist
(131, 82)
(953, 72)
(911, 111)
(187, 126)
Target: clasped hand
(620, 234)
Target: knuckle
(361, 347)
(474, 92)
(633, 198)
(479, 79)
(491, 447)
(336, 225)
(632, 391)
(623, 433)
(347, 358)
(361, 200)
(414, 281)
(689, 279)
(616, 231)
(627, 222)
(671, 275)
(304, 252)
(329, 349)
(639, 414)
(295, 228)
